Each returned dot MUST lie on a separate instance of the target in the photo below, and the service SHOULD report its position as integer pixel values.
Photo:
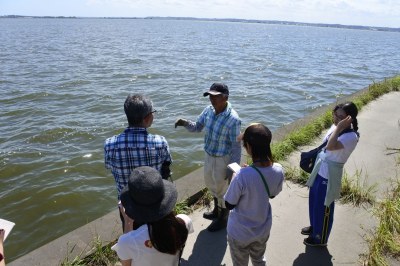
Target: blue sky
(385, 13)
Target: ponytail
(355, 125)
(351, 109)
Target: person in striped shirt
(135, 146)
(222, 127)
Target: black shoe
(216, 225)
(212, 214)
(221, 222)
(309, 241)
(306, 230)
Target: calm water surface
(63, 83)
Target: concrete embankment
(379, 128)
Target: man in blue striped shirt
(135, 146)
(222, 127)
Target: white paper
(7, 226)
(234, 167)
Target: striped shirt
(221, 131)
(133, 148)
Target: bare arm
(128, 222)
(2, 233)
(333, 143)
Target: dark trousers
(321, 216)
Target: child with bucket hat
(159, 235)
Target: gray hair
(137, 107)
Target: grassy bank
(384, 243)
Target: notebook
(7, 226)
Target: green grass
(183, 207)
(352, 192)
(100, 254)
(204, 198)
(296, 175)
(356, 193)
(385, 242)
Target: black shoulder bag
(307, 158)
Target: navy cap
(216, 89)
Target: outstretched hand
(181, 122)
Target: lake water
(63, 83)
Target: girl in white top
(325, 188)
(154, 235)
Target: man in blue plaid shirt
(135, 146)
(222, 127)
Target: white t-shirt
(251, 218)
(349, 141)
(136, 245)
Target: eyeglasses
(152, 112)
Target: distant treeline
(278, 22)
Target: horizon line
(266, 21)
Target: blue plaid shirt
(133, 148)
(221, 131)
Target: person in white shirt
(153, 234)
(325, 179)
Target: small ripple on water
(74, 83)
(51, 135)
(17, 98)
(62, 135)
(346, 75)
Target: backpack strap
(263, 179)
